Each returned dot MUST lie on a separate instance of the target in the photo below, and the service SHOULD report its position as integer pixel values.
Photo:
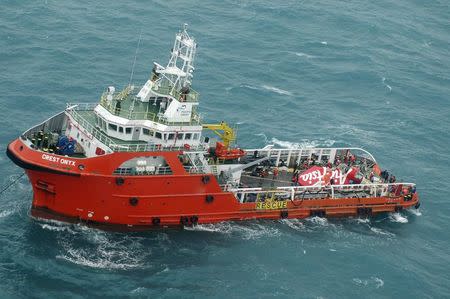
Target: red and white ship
(139, 159)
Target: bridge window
(120, 129)
(171, 136)
(188, 136)
(112, 127)
(128, 130)
(196, 136)
(158, 135)
(180, 136)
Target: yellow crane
(224, 131)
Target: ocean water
(371, 74)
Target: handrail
(373, 189)
(269, 149)
(120, 147)
(148, 115)
(167, 90)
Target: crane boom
(224, 131)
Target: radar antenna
(178, 73)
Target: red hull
(90, 193)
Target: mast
(176, 77)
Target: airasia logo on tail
(322, 176)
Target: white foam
(300, 54)
(378, 282)
(295, 224)
(303, 144)
(246, 231)
(266, 140)
(397, 217)
(138, 290)
(112, 255)
(359, 281)
(223, 227)
(332, 250)
(256, 232)
(324, 43)
(362, 220)
(277, 90)
(415, 212)
(372, 282)
(57, 228)
(379, 231)
(383, 80)
(250, 86)
(99, 263)
(6, 213)
(318, 220)
(269, 88)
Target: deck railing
(192, 96)
(147, 115)
(73, 109)
(321, 192)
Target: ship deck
(269, 182)
(133, 109)
(89, 117)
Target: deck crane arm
(224, 131)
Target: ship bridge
(161, 113)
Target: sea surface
(360, 73)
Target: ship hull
(86, 190)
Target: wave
(57, 228)
(379, 231)
(300, 54)
(277, 90)
(373, 281)
(383, 80)
(223, 227)
(138, 291)
(415, 212)
(362, 220)
(303, 144)
(318, 220)
(103, 251)
(80, 257)
(250, 87)
(246, 231)
(266, 140)
(295, 224)
(397, 217)
(4, 214)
